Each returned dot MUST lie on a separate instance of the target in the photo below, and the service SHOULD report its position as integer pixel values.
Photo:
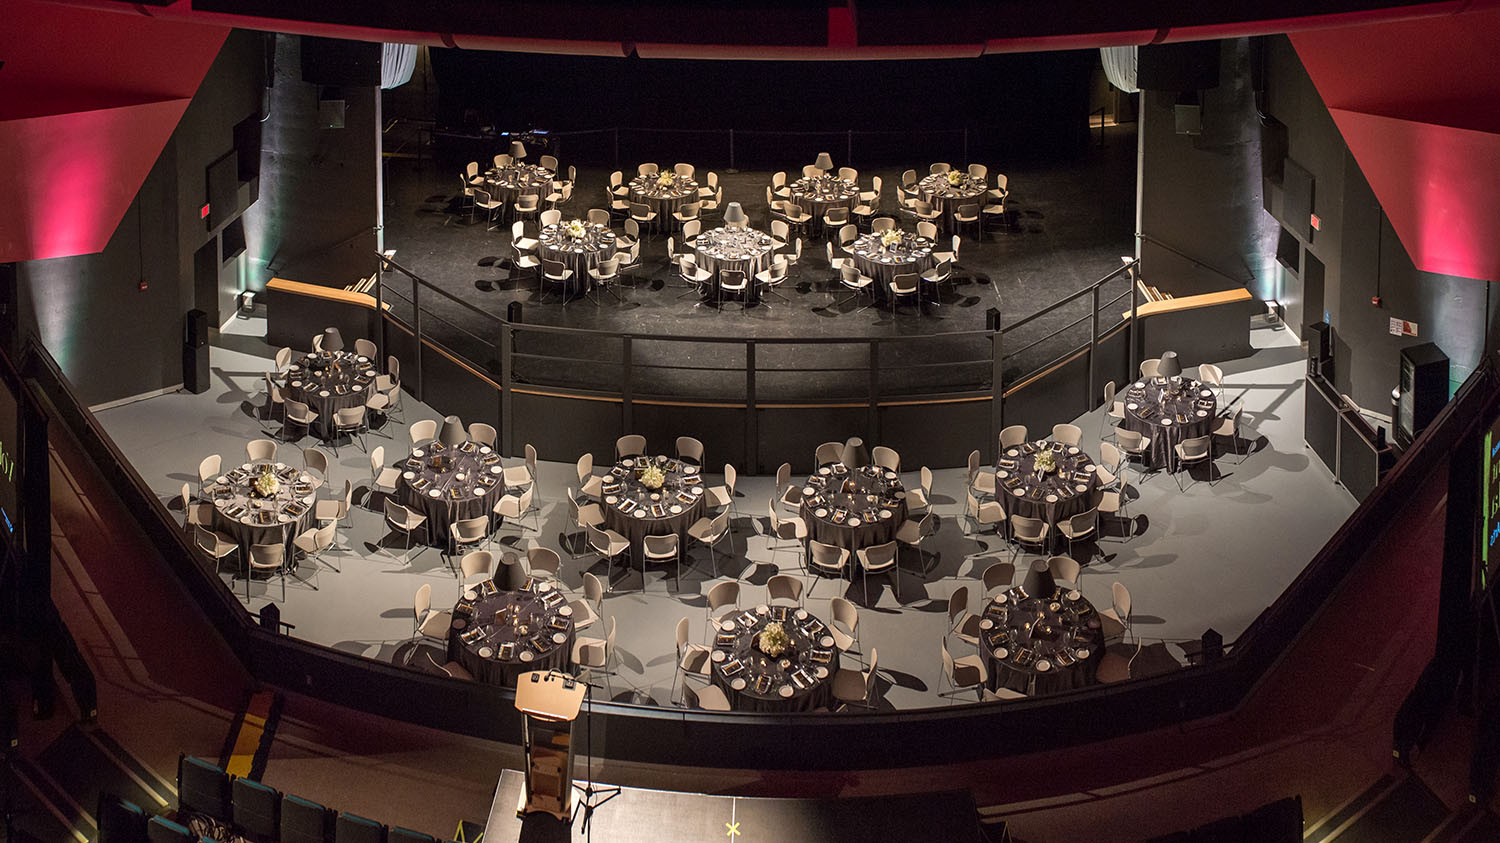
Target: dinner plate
(1166, 422)
(820, 512)
(726, 626)
(987, 623)
(854, 522)
(821, 672)
(362, 359)
(690, 470)
(1001, 598)
(485, 652)
(356, 388)
(543, 587)
(1074, 594)
(697, 490)
(471, 594)
(432, 493)
(1089, 467)
(1018, 492)
(559, 637)
(484, 449)
(459, 623)
(1012, 453)
(762, 609)
(826, 641)
(417, 452)
(283, 518)
(1207, 393)
(1083, 487)
(1052, 499)
(676, 508)
(825, 471)
(1132, 406)
(323, 393)
(808, 490)
(565, 611)
(1002, 474)
(800, 614)
(1001, 653)
(890, 475)
(527, 655)
(719, 655)
(738, 684)
(786, 690)
(408, 475)
(458, 477)
(627, 462)
(1202, 413)
(1072, 449)
(296, 384)
(656, 496)
(1140, 384)
(495, 469)
(885, 513)
(611, 499)
(1083, 653)
(479, 491)
(640, 513)
(1042, 665)
(294, 368)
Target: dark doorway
(1312, 288)
(206, 282)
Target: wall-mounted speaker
(331, 114)
(1320, 350)
(1188, 118)
(1424, 389)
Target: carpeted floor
(1211, 556)
(1070, 224)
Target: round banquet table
(329, 382)
(663, 198)
(631, 510)
(744, 249)
(1040, 643)
(579, 254)
(799, 679)
(450, 484)
(1169, 413)
(946, 197)
(510, 182)
(1072, 488)
(882, 263)
(817, 195)
(497, 635)
(250, 519)
(853, 509)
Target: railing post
(752, 432)
(997, 386)
(872, 420)
(1133, 355)
(627, 377)
(1093, 351)
(416, 319)
(380, 315)
(849, 150)
(507, 416)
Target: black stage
(1072, 222)
(660, 816)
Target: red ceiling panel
(1418, 102)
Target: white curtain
(397, 61)
(1119, 67)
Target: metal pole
(380, 313)
(966, 145)
(752, 432)
(872, 422)
(731, 150)
(1093, 351)
(849, 152)
(416, 306)
(997, 385)
(507, 416)
(627, 408)
(617, 146)
(1134, 336)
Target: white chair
(982, 480)
(920, 498)
(467, 532)
(792, 528)
(588, 610)
(1068, 434)
(854, 687)
(260, 450)
(208, 469)
(1229, 428)
(1191, 452)
(270, 558)
(483, 434)
(1029, 531)
(963, 674)
(997, 577)
(886, 458)
(725, 594)
(1115, 621)
(826, 560)
(880, 559)
(784, 587)
(609, 544)
(662, 549)
(382, 476)
(1012, 436)
(689, 450)
(630, 445)
(195, 514)
(514, 507)
(1114, 412)
(428, 623)
(843, 624)
(1114, 502)
(421, 431)
(403, 521)
(589, 483)
(710, 531)
(476, 563)
(692, 660)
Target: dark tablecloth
(509, 183)
(663, 199)
(835, 489)
(911, 256)
(744, 249)
(1075, 468)
(1016, 642)
(817, 195)
(683, 487)
(420, 477)
(735, 657)
(1168, 415)
(946, 197)
(533, 631)
(578, 253)
(326, 383)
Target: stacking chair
(527, 204)
(963, 674)
(853, 687)
(707, 698)
(880, 224)
(935, 278)
(792, 528)
(559, 275)
(1149, 367)
(260, 450)
(642, 214)
(547, 162)
(836, 264)
(1134, 444)
(217, 545)
(734, 281)
(796, 216)
(1229, 428)
(335, 510)
(382, 476)
(423, 430)
(966, 213)
(928, 229)
(543, 563)
(710, 531)
(514, 507)
(270, 558)
(313, 542)
(1114, 502)
(475, 563)
(710, 184)
(609, 544)
(843, 624)
(978, 171)
(920, 499)
(662, 549)
(350, 421)
(1064, 569)
(784, 587)
(721, 595)
(403, 521)
(939, 168)
(1068, 434)
(993, 209)
(527, 262)
(647, 169)
(630, 445)
(997, 577)
(1110, 459)
(773, 277)
(692, 660)
(519, 239)
(590, 608)
(483, 434)
(828, 453)
(1116, 619)
(1081, 526)
(962, 624)
(1028, 531)
(689, 450)
(208, 469)
(880, 559)
(687, 212)
(924, 212)
(1192, 451)
(1114, 412)
(428, 623)
(1213, 376)
(722, 497)
(902, 285)
(826, 560)
(689, 271)
(691, 229)
(857, 282)
(982, 480)
(908, 186)
(983, 513)
(482, 201)
(835, 217)
(911, 533)
(886, 458)
(467, 532)
(274, 401)
(606, 277)
(589, 483)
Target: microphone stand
(589, 791)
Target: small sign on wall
(1403, 328)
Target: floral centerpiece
(773, 640)
(890, 237)
(1045, 462)
(652, 477)
(954, 177)
(266, 485)
(664, 180)
(575, 229)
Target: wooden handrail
(318, 291)
(1154, 308)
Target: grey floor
(1212, 556)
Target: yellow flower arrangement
(890, 237)
(954, 177)
(664, 180)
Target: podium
(550, 702)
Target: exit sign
(1317, 223)
(203, 212)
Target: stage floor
(1211, 556)
(1073, 222)
(636, 815)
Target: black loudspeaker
(992, 319)
(1188, 66)
(195, 368)
(1188, 118)
(1320, 350)
(513, 313)
(1424, 389)
(270, 618)
(195, 328)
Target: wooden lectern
(550, 702)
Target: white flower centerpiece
(1045, 463)
(773, 640)
(652, 477)
(266, 485)
(955, 177)
(575, 229)
(664, 180)
(888, 238)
